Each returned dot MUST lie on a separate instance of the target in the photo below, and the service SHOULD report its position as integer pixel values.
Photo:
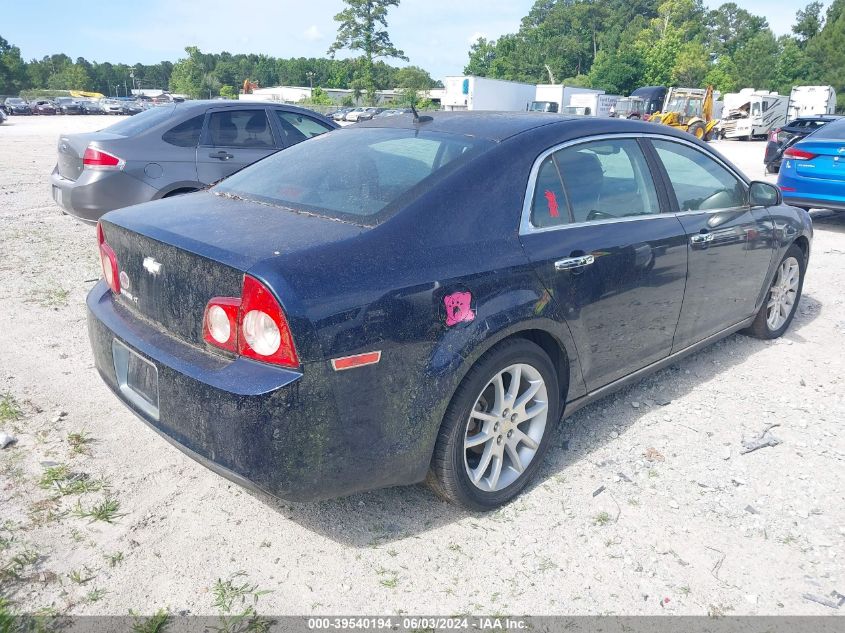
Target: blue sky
(435, 34)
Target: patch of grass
(95, 595)
(9, 408)
(14, 567)
(154, 624)
(106, 510)
(81, 576)
(60, 479)
(633, 501)
(685, 590)
(79, 442)
(390, 583)
(236, 598)
(114, 559)
(602, 518)
(52, 296)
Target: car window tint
(240, 128)
(298, 127)
(549, 207)
(362, 174)
(604, 180)
(834, 131)
(186, 134)
(699, 182)
(142, 121)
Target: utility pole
(310, 75)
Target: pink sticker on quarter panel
(458, 308)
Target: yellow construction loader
(689, 109)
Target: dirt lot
(684, 524)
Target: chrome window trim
(525, 226)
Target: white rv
(591, 104)
(750, 113)
(481, 93)
(809, 100)
(555, 97)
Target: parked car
(340, 114)
(69, 105)
(386, 303)
(172, 149)
(44, 106)
(368, 114)
(111, 106)
(16, 106)
(91, 106)
(132, 107)
(352, 115)
(789, 134)
(812, 173)
(2, 116)
(394, 112)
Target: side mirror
(764, 194)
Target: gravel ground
(683, 522)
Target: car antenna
(417, 117)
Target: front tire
(496, 429)
(782, 299)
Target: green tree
(691, 65)
(228, 92)
(189, 74)
(363, 27)
(618, 71)
(723, 75)
(481, 56)
(755, 61)
(792, 66)
(13, 75)
(70, 77)
(731, 28)
(826, 51)
(808, 22)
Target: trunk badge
(152, 266)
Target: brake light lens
(798, 154)
(773, 135)
(220, 323)
(98, 159)
(108, 260)
(253, 325)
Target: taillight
(252, 325)
(798, 154)
(773, 135)
(108, 260)
(98, 159)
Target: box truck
(587, 104)
(554, 97)
(481, 93)
(809, 100)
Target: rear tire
(782, 299)
(496, 432)
(697, 130)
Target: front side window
(699, 182)
(299, 127)
(240, 128)
(602, 180)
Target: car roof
(816, 117)
(498, 126)
(204, 104)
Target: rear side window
(363, 175)
(834, 131)
(700, 183)
(299, 127)
(594, 181)
(240, 128)
(142, 121)
(186, 134)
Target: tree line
(200, 74)
(620, 45)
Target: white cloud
(312, 33)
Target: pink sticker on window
(458, 308)
(553, 208)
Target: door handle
(571, 263)
(701, 238)
(221, 155)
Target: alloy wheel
(782, 294)
(505, 427)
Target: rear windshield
(834, 131)
(141, 122)
(362, 175)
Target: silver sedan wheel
(782, 294)
(505, 427)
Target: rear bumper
(806, 201)
(97, 192)
(263, 427)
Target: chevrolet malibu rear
(812, 172)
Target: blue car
(423, 298)
(812, 172)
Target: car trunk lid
(175, 255)
(829, 162)
(71, 150)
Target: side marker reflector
(359, 360)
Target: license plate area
(137, 378)
(57, 196)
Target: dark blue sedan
(424, 298)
